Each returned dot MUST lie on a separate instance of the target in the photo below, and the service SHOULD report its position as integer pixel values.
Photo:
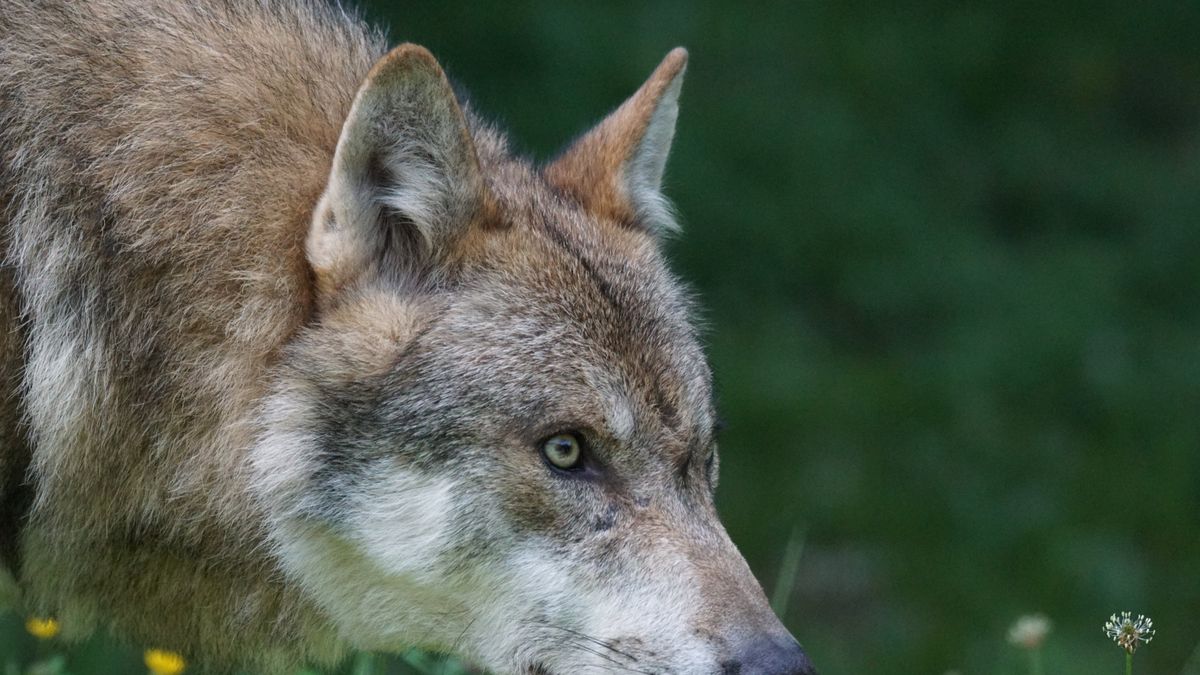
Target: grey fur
(273, 406)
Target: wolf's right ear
(405, 178)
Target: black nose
(770, 656)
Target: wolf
(299, 358)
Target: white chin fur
(546, 616)
(376, 573)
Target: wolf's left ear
(616, 169)
(405, 179)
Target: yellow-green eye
(564, 451)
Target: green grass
(24, 653)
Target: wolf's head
(496, 437)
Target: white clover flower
(1030, 631)
(1127, 632)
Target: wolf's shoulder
(161, 160)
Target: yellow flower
(163, 662)
(43, 629)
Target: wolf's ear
(405, 178)
(616, 169)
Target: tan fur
(283, 328)
(173, 181)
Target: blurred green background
(950, 259)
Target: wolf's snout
(770, 655)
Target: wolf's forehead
(597, 300)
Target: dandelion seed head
(1029, 631)
(1128, 632)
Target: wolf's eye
(564, 451)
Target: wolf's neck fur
(161, 154)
